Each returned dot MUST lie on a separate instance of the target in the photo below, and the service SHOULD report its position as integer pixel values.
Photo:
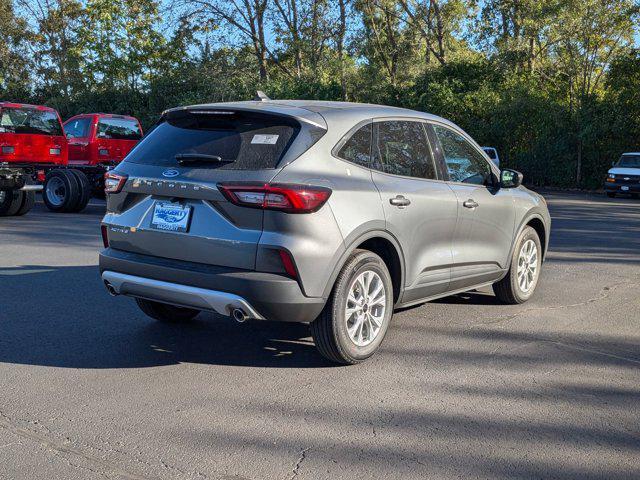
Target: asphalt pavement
(462, 388)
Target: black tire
(329, 330)
(67, 196)
(84, 186)
(10, 202)
(611, 194)
(508, 289)
(166, 313)
(28, 201)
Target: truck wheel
(61, 192)
(10, 202)
(166, 313)
(84, 188)
(355, 319)
(521, 280)
(28, 201)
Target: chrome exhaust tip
(111, 289)
(239, 315)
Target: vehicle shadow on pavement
(63, 317)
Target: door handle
(400, 201)
(470, 203)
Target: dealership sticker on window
(265, 139)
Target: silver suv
(327, 213)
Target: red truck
(30, 137)
(101, 138)
(97, 142)
(70, 160)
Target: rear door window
(29, 121)
(241, 140)
(78, 128)
(118, 129)
(401, 148)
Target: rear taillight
(113, 182)
(105, 238)
(278, 196)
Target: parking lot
(463, 387)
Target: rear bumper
(622, 187)
(175, 294)
(262, 295)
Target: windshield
(242, 141)
(29, 121)
(491, 153)
(629, 161)
(119, 129)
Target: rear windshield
(242, 140)
(29, 121)
(629, 161)
(119, 129)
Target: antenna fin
(261, 96)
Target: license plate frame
(171, 217)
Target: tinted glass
(78, 128)
(244, 141)
(464, 163)
(491, 153)
(118, 129)
(29, 121)
(629, 161)
(358, 148)
(402, 149)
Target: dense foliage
(553, 84)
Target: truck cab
(31, 134)
(101, 138)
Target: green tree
(15, 62)
(55, 50)
(122, 46)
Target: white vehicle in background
(492, 153)
(624, 177)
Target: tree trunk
(340, 41)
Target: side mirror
(510, 178)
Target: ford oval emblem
(170, 173)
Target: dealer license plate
(171, 216)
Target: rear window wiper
(201, 157)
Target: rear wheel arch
(386, 247)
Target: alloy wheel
(527, 266)
(365, 308)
